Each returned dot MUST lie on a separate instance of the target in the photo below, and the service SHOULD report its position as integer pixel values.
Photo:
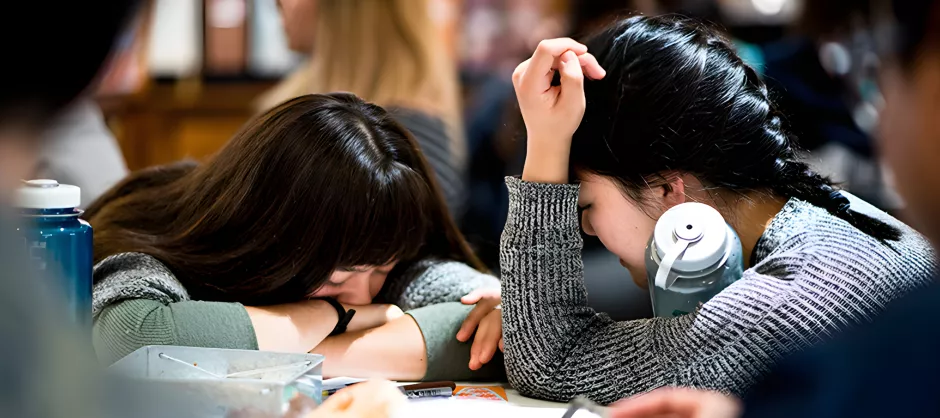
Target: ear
(673, 191)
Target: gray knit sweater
(814, 275)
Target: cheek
(323, 292)
(624, 232)
(375, 285)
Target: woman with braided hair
(653, 112)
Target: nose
(586, 226)
(355, 290)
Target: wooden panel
(200, 137)
(186, 119)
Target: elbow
(536, 380)
(117, 334)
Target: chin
(640, 280)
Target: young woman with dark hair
(321, 206)
(677, 117)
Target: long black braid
(677, 98)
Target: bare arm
(393, 351)
(296, 327)
(293, 327)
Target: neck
(750, 216)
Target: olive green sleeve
(448, 358)
(133, 323)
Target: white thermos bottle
(691, 257)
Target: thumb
(472, 298)
(572, 79)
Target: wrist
(343, 314)
(546, 170)
(547, 164)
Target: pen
(334, 390)
(414, 391)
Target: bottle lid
(47, 194)
(699, 227)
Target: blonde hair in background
(388, 52)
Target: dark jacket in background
(813, 102)
(438, 147)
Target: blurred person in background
(837, 137)
(388, 52)
(677, 117)
(888, 368)
(45, 365)
(496, 35)
(79, 149)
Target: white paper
(340, 382)
(472, 408)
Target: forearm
(420, 346)
(556, 346)
(394, 351)
(293, 327)
(544, 299)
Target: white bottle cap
(47, 194)
(695, 236)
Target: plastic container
(215, 382)
(692, 256)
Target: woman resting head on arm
(323, 196)
(672, 115)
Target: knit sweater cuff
(448, 359)
(539, 208)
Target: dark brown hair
(318, 183)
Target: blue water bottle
(59, 243)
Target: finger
(472, 297)
(472, 322)
(519, 71)
(376, 399)
(502, 345)
(538, 76)
(572, 79)
(491, 336)
(480, 342)
(338, 401)
(592, 69)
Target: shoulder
(422, 125)
(438, 270)
(808, 243)
(134, 276)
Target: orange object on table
(493, 393)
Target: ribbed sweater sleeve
(809, 285)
